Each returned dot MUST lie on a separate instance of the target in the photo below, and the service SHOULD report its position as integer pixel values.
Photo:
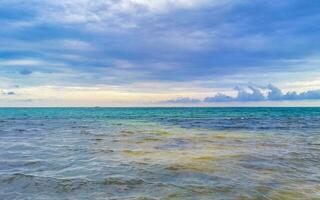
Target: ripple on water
(76, 154)
(28, 183)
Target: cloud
(119, 12)
(182, 100)
(30, 66)
(68, 44)
(169, 43)
(99, 11)
(219, 98)
(25, 72)
(274, 93)
(8, 93)
(21, 62)
(308, 95)
(267, 93)
(24, 100)
(254, 94)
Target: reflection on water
(82, 154)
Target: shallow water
(160, 153)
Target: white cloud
(21, 62)
(69, 44)
(44, 64)
(159, 5)
(182, 100)
(45, 46)
(185, 40)
(110, 11)
(273, 93)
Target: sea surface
(160, 153)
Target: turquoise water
(159, 153)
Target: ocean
(160, 153)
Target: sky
(159, 53)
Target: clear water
(159, 153)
